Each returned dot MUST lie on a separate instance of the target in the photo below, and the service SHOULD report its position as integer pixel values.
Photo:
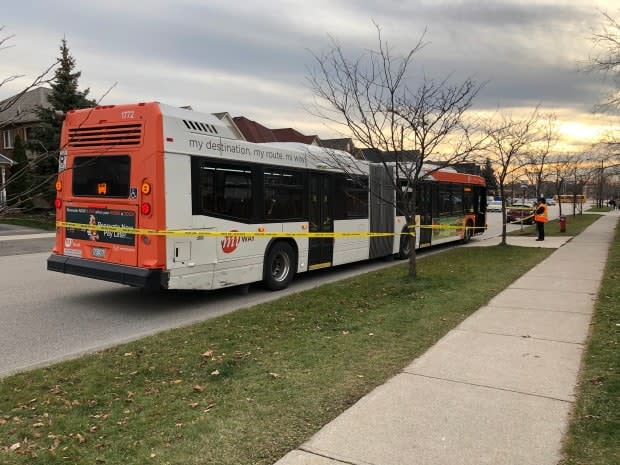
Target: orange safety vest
(542, 217)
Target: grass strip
(248, 387)
(594, 433)
(574, 226)
(599, 209)
(47, 223)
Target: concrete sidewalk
(498, 389)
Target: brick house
(18, 116)
(256, 132)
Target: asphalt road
(47, 317)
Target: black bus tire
(468, 233)
(405, 246)
(280, 266)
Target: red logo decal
(230, 243)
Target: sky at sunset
(252, 58)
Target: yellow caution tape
(207, 233)
(521, 220)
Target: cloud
(251, 58)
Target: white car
(494, 206)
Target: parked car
(518, 211)
(550, 202)
(494, 206)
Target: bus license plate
(98, 252)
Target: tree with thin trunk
(378, 103)
(18, 185)
(488, 173)
(45, 139)
(541, 152)
(510, 139)
(562, 168)
(607, 57)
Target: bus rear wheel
(280, 266)
(405, 246)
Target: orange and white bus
(155, 196)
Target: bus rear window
(101, 176)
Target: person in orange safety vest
(540, 216)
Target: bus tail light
(146, 188)
(57, 203)
(145, 208)
(58, 186)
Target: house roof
(292, 135)
(345, 144)
(21, 108)
(253, 131)
(256, 132)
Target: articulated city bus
(155, 196)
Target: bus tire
(405, 246)
(280, 266)
(468, 233)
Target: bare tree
(539, 156)
(561, 168)
(42, 78)
(607, 57)
(18, 172)
(374, 98)
(510, 141)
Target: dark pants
(540, 227)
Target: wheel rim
(406, 245)
(280, 267)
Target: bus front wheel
(280, 266)
(468, 233)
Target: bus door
(426, 214)
(480, 207)
(321, 220)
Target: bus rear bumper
(129, 275)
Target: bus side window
(224, 190)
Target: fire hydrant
(562, 223)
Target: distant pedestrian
(612, 204)
(541, 217)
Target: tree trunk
(413, 266)
(501, 190)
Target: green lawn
(598, 209)
(574, 225)
(42, 221)
(248, 387)
(594, 435)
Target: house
(256, 132)
(345, 144)
(5, 162)
(18, 116)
